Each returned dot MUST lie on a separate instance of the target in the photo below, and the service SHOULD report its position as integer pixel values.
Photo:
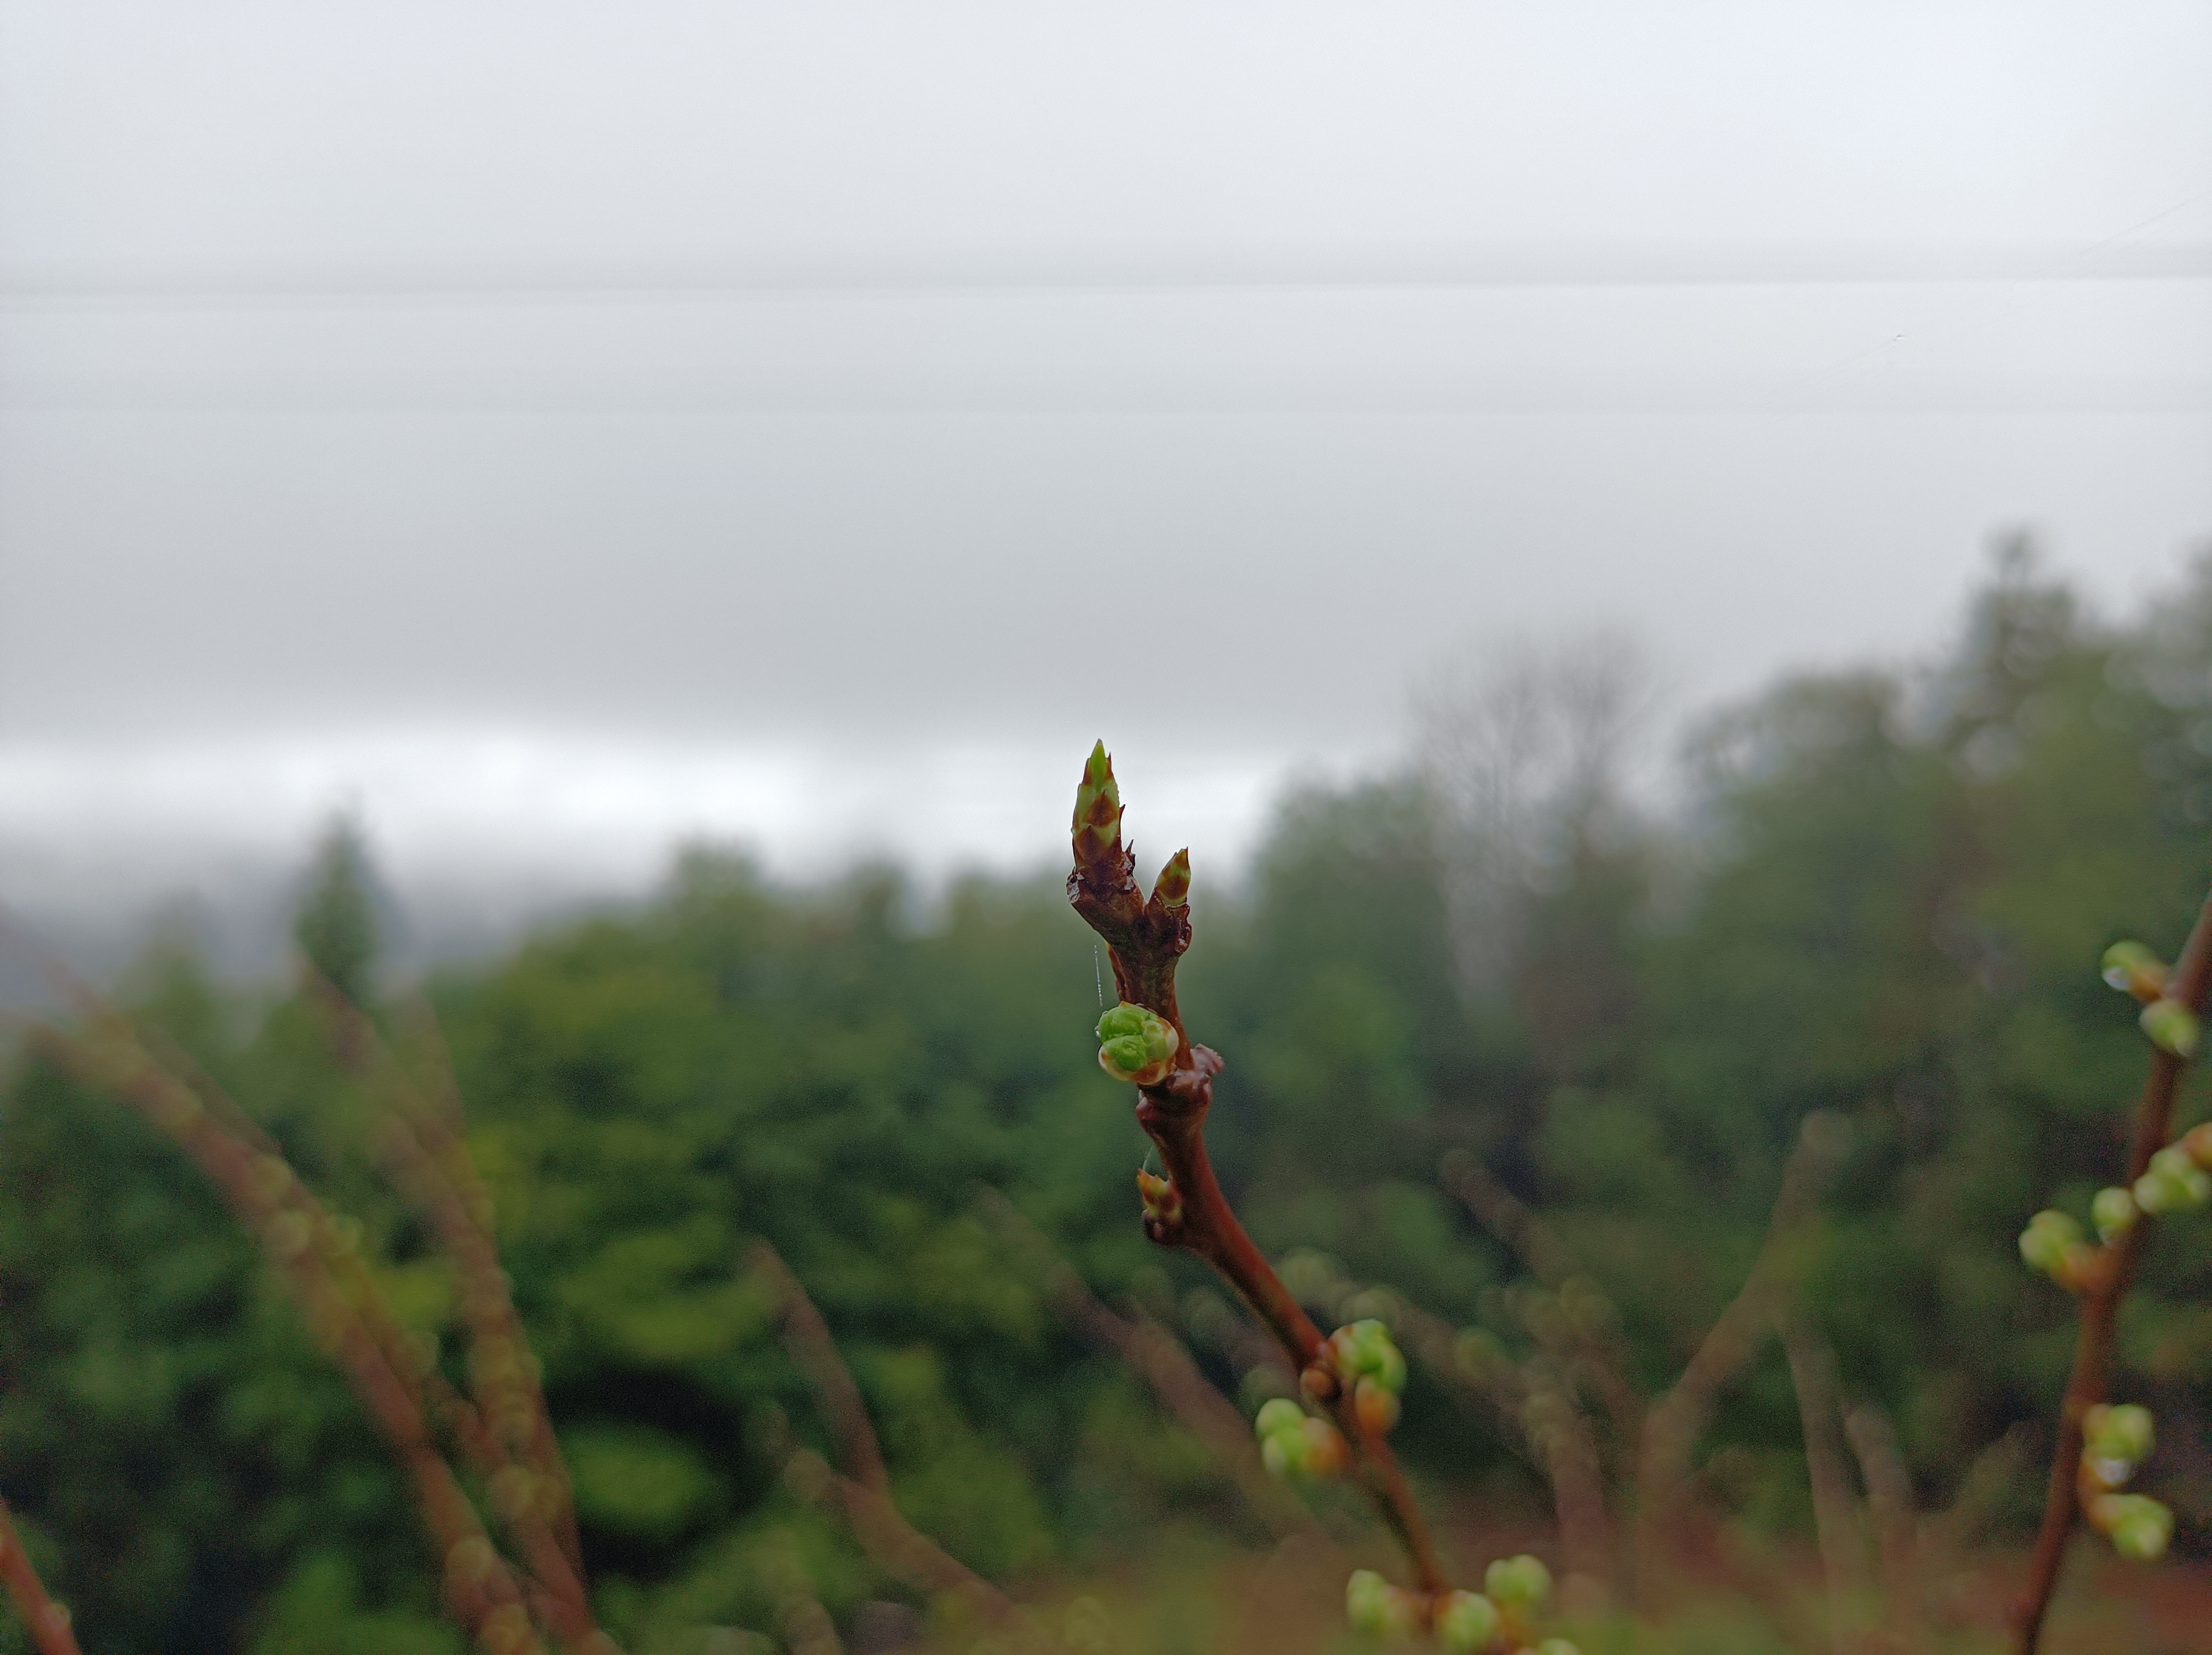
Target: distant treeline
(1888, 900)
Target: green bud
(2131, 968)
(1281, 1454)
(1557, 1646)
(2048, 1235)
(1467, 1622)
(1172, 889)
(1126, 1053)
(2172, 1183)
(1279, 1414)
(1122, 1018)
(1376, 1608)
(1136, 1042)
(1520, 1582)
(2140, 1527)
(2172, 1027)
(1364, 1349)
(2114, 1213)
(1096, 829)
(1365, 1596)
(1390, 1371)
(2125, 1433)
(2177, 1164)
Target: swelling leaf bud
(1326, 1456)
(2114, 1213)
(2139, 1526)
(1364, 1350)
(2173, 1182)
(1377, 1608)
(2133, 970)
(1279, 1414)
(1172, 889)
(1136, 1044)
(1162, 1200)
(1520, 1582)
(1467, 1622)
(2172, 1027)
(2123, 1432)
(1377, 1407)
(1096, 829)
(2048, 1234)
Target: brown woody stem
(47, 1621)
(1144, 938)
(2102, 1297)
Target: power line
(1500, 266)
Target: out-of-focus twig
(814, 1352)
(1553, 1262)
(1674, 1424)
(1835, 1507)
(861, 1492)
(511, 1390)
(47, 1621)
(1896, 1526)
(1156, 1356)
(266, 1197)
(508, 1431)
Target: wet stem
(1144, 938)
(2101, 1301)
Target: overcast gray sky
(555, 428)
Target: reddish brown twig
(860, 1491)
(512, 1391)
(47, 1621)
(815, 1354)
(2102, 1292)
(507, 1433)
(267, 1199)
(1144, 938)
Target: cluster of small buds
(2136, 971)
(1136, 1045)
(1501, 1618)
(1162, 1200)
(2054, 1244)
(1367, 1360)
(2115, 1441)
(1294, 1444)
